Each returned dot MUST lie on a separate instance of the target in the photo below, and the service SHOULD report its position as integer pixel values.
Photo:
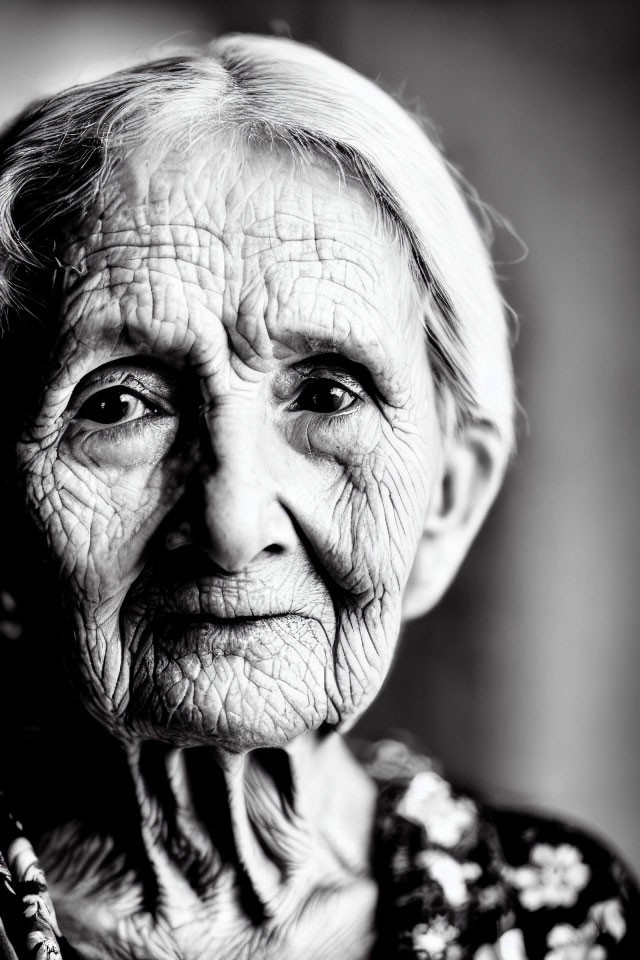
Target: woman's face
(235, 450)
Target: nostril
(275, 549)
(178, 537)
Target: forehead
(286, 253)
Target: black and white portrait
(319, 468)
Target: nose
(236, 516)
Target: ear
(472, 469)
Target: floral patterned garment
(463, 881)
(28, 926)
(458, 880)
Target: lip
(214, 600)
(188, 633)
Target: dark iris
(324, 396)
(108, 406)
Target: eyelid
(334, 366)
(344, 381)
(136, 378)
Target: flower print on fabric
(387, 760)
(490, 897)
(5, 877)
(452, 876)
(609, 918)
(24, 864)
(581, 943)
(554, 877)
(30, 887)
(42, 947)
(432, 941)
(571, 943)
(510, 946)
(458, 880)
(34, 905)
(429, 803)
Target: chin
(234, 701)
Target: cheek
(369, 529)
(372, 509)
(97, 522)
(96, 527)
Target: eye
(115, 405)
(324, 396)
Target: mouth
(213, 600)
(212, 619)
(184, 634)
(223, 620)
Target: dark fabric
(458, 880)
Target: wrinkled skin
(231, 465)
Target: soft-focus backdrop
(526, 680)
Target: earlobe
(472, 469)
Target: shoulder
(574, 896)
(463, 880)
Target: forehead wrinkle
(326, 253)
(134, 284)
(215, 243)
(106, 249)
(341, 227)
(96, 330)
(309, 294)
(314, 320)
(184, 242)
(275, 271)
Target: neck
(232, 847)
(284, 821)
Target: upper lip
(184, 585)
(209, 600)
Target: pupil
(326, 399)
(108, 407)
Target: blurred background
(525, 682)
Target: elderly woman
(258, 400)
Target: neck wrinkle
(281, 821)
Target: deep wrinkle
(233, 551)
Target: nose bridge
(243, 516)
(238, 467)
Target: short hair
(56, 156)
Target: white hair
(56, 156)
